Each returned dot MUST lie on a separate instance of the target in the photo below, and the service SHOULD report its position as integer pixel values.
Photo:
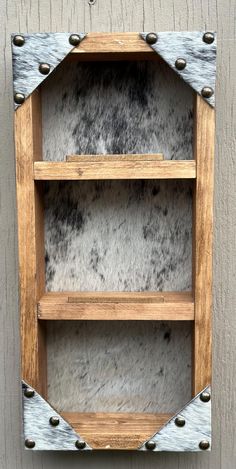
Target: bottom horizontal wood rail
(175, 306)
(116, 430)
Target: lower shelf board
(171, 306)
(114, 169)
(116, 430)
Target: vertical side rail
(28, 145)
(202, 242)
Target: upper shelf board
(119, 167)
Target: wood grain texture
(116, 306)
(28, 142)
(204, 143)
(125, 15)
(116, 430)
(124, 169)
(115, 43)
(99, 158)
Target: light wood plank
(116, 306)
(202, 242)
(127, 157)
(116, 430)
(115, 43)
(30, 242)
(114, 170)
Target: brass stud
(208, 38)
(180, 64)
(207, 92)
(151, 38)
(54, 421)
(151, 445)
(180, 421)
(19, 98)
(74, 39)
(18, 40)
(80, 444)
(29, 443)
(44, 68)
(28, 392)
(205, 396)
(204, 444)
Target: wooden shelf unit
(37, 306)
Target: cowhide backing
(118, 235)
(119, 366)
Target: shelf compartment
(169, 306)
(117, 168)
(116, 430)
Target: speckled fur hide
(197, 428)
(124, 367)
(36, 416)
(38, 48)
(118, 235)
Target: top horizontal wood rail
(114, 169)
(112, 43)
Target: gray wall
(124, 15)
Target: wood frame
(106, 431)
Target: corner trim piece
(35, 58)
(39, 433)
(199, 56)
(189, 432)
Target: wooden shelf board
(171, 306)
(116, 430)
(115, 169)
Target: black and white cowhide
(130, 366)
(49, 48)
(118, 235)
(36, 418)
(200, 57)
(197, 428)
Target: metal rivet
(28, 392)
(29, 443)
(18, 40)
(19, 98)
(205, 396)
(180, 421)
(151, 38)
(80, 444)
(54, 421)
(207, 92)
(74, 39)
(208, 38)
(44, 68)
(204, 444)
(180, 64)
(150, 444)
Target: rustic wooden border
(117, 431)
